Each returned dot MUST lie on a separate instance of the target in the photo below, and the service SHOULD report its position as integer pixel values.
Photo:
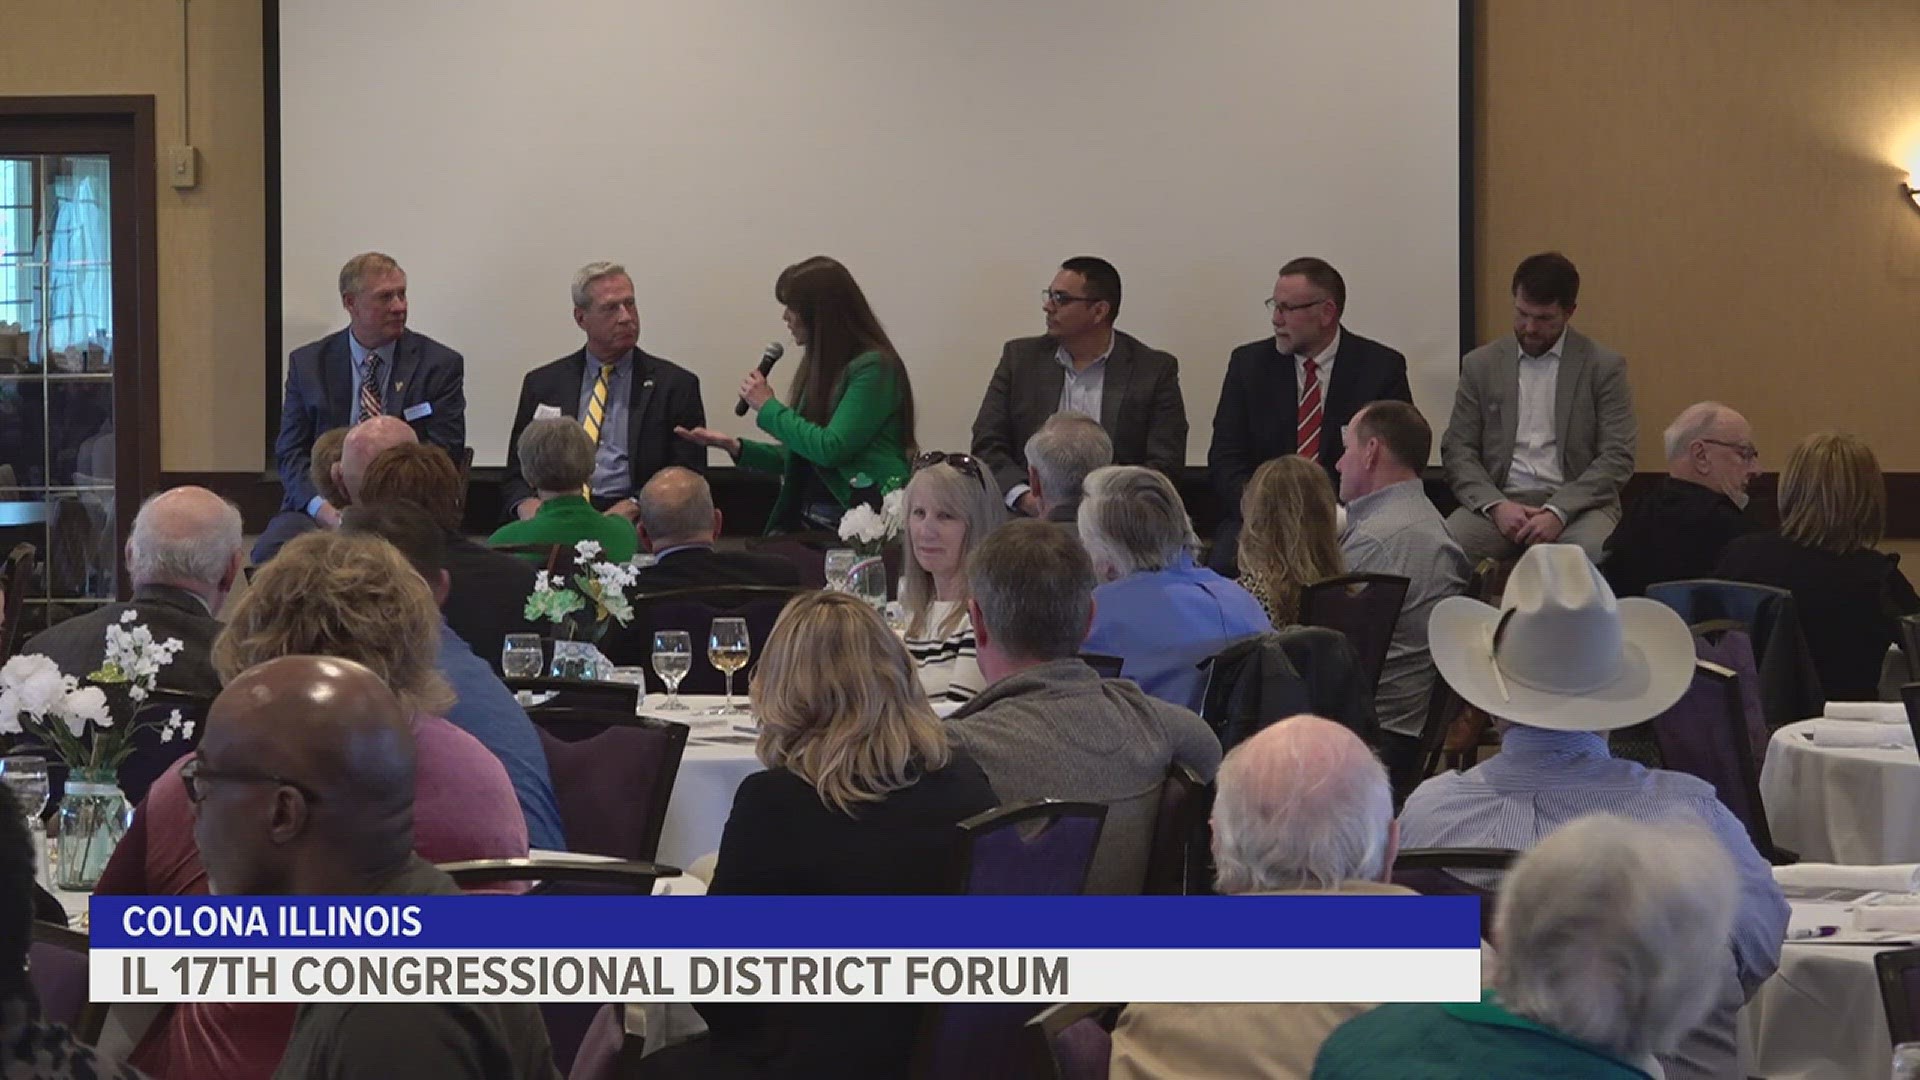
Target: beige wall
(212, 237)
(1723, 171)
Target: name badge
(423, 409)
(546, 412)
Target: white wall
(950, 153)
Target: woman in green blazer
(849, 433)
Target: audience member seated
(1059, 456)
(951, 504)
(336, 819)
(288, 524)
(1605, 949)
(1833, 510)
(354, 598)
(557, 460)
(483, 707)
(1559, 664)
(1393, 528)
(1047, 726)
(366, 441)
(679, 524)
(183, 557)
(860, 795)
(1678, 529)
(1289, 535)
(1303, 807)
(1541, 439)
(1161, 614)
(490, 588)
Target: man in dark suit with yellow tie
(627, 400)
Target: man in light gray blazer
(1082, 364)
(1542, 434)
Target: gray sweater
(1059, 731)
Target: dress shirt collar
(1540, 750)
(361, 352)
(1375, 501)
(1322, 360)
(1553, 353)
(1065, 358)
(594, 363)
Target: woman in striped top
(951, 503)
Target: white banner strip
(1200, 975)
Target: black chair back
(1899, 971)
(15, 576)
(694, 610)
(1070, 1041)
(1364, 607)
(1180, 836)
(57, 967)
(809, 557)
(608, 697)
(1789, 684)
(1705, 734)
(1436, 872)
(1443, 707)
(1910, 645)
(1910, 697)
(613, 776)
(1107, 667)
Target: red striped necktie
(1307, 426)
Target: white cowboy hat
(1561, 652)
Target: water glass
(631, 676)
(672, 659)
(521, 656)
(26, 776)
(840, 564)
(729, 648)
(868, 581)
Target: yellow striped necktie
(596, 414)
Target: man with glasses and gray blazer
(1081, 364)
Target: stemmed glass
(728, 648)
(672, 659)
(26, 776)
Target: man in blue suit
(375, 367)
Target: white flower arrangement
(869, 531)
(76, 721)
(597, 583)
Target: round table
(1840, 804)
(1819, 1017)
(719, 755)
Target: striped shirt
(949, 664)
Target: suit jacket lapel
(406, 358)
(1505, 393)
(1344, 386)
(569, 403)
(336, 379)
(1113, 389)
(638, 395)
(1573, 364)
(1050, 379)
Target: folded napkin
(1894, 877)
(1901, 913)
(1880, 712)
(1841, 734)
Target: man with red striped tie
(1293, 392)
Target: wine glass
(521, 656)
(672, 659)
(728, 648)
(840, 562)
(26, 776)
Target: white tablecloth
(1841, 805)
(1819, 1017)
(719, 755)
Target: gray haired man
(183, 555)
(1059, 456)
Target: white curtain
(80, 253)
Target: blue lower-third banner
(1277, 948)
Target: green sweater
(568, 520)
(1464, 1041)
(863, 437)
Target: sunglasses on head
(965, 463)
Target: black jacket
(79, 644)
(698, 567)
(1675, 532)
(487, 596)
(1266, 677)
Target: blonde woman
(1849, 597)
(1290, 537)
(951, 504)
(860, 796)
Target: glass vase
(93, 816)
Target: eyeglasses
(1064, 298)
(1747, 451)
(194, 774)
(1288, 309)
(965, 463)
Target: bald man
(304, 786)
(365, 441)
(183, 556)
(1303, 807)
(1679, 527)
(678, 523)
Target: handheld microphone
(775, 351)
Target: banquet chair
(1107, 667)
(57, 967)
(1789, 684)
(1033, 849)
(694, 610)
(1899, 971)
(807, 556)
(610, 697)
(1705, 734)
(613, 777)
(1444, 706)
(1910, 697)
(1438, 872)
(1364, 607)
(1177, 858)
(568, 1022)
(1910, 645)
(1070, 1041)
